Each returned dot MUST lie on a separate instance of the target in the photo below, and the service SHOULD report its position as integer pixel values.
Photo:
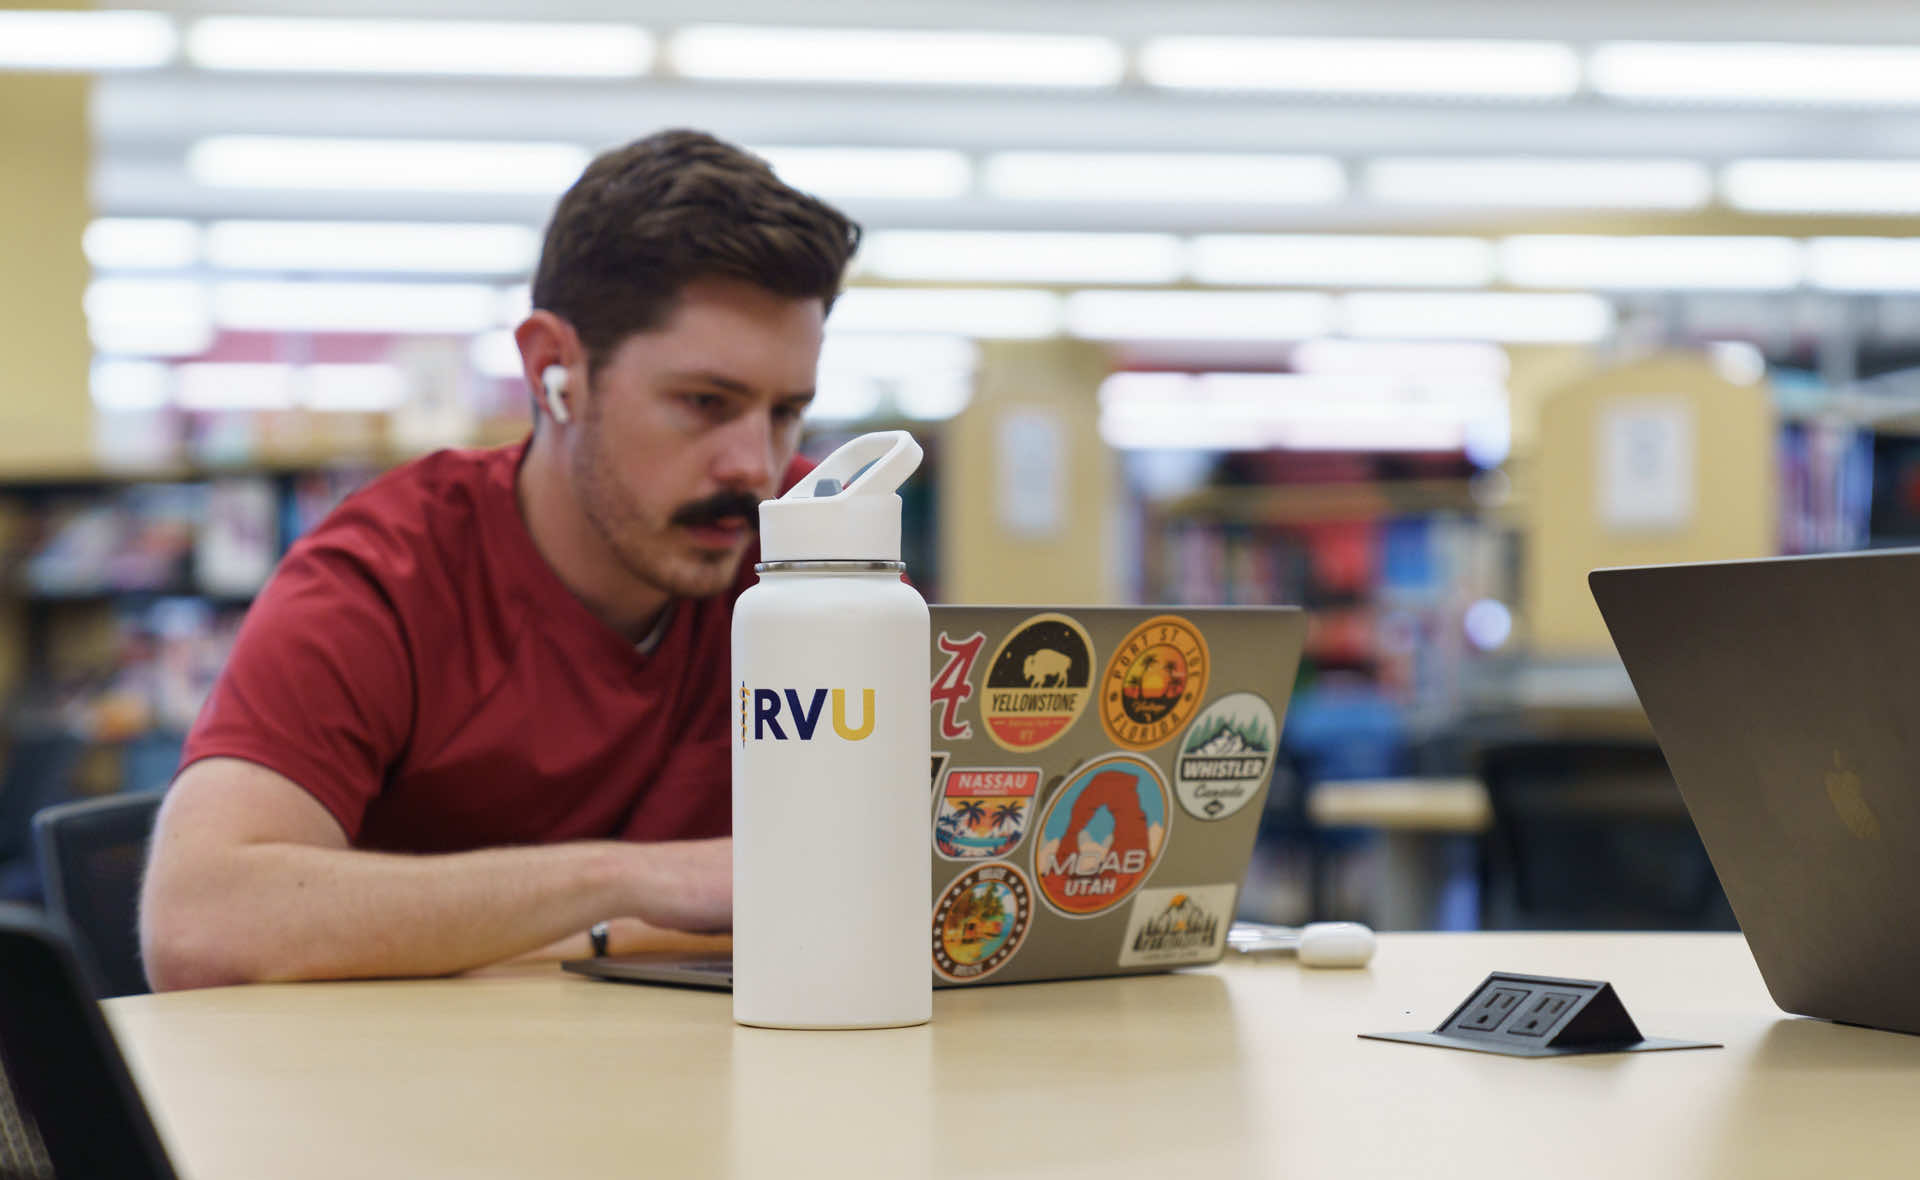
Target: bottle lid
(845, 509)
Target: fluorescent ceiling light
(1194, 177)
(1426, 359)
(148, 317)
(234, 386)
(1198, 315)
(1499, 316)
(450, 308)
(513, 304)
(227, 385)
(141, 243)
(365, 246)
(912, 57)
(1538, 182)
(921, 376)
(131, 385)
(529, 48)
(1258, 411)
(362, 388)
(1821, 75)
(388, 165)
(897, 354)
(1466, 69)
(1652, 262)
(934, 397)
(185, 334)
(1823, 186)
(1864, 264)
(845, 397)
(496, 355)
(982, 312)
(985, 256)
(876, 173)
(1335, 260)
(85, 40)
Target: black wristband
(597, 935)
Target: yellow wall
(45, 412)
(981, 561)
(1734, 492)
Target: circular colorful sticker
(1154, 682)
(1101, 834)
(980, 921)
(1039, 680)
(1225, 756)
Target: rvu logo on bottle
(768, 714)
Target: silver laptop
(1786, 696)
(1097, 782)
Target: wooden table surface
(1249, 1069)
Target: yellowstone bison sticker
(980, 921)
(1101, 835)
(1226, 756)
(983, 812)
(1154, 682)
(1039, 680)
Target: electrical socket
(1539, 1016)
(1532, 1011)
(1491, 1006)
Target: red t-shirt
(417, 667)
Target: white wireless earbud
(553, 379)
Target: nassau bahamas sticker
(983, 813)
(1038, 682)
(980, 921)
(1101, 834)
(1225, 756)
(1154, 682)
(1171, 926)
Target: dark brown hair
(646, 219)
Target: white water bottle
(831, 827)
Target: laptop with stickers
(1097, 783)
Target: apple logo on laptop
(1843, 788)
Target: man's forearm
(273, 911)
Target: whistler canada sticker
(1100, 835)
(983, 813)
(980, 921)
(1226, 756)
(1038, 682)
(1154, 682)
(1171, 926)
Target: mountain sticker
(1226, 756)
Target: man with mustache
(483, 706)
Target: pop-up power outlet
(1540, 1016)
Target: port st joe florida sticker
(1173, 926)
(1038, 683)
(1154, 682)
(1101, 835)
(980, 921)
(983, 813)
(1225, 756)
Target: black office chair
(36, 771)
(92, 854)
(1592, 835)
(67, 1104)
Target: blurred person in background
(483, 707)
